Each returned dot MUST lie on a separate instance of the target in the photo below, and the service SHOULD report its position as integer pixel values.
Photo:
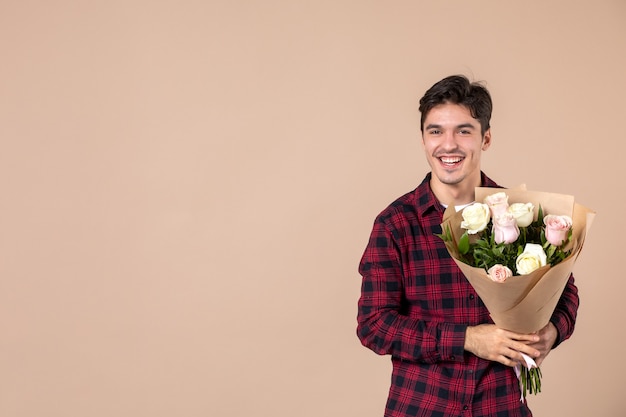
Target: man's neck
(454, 194)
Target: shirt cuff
(561, 328)
(452, 342)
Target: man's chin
(450, 179)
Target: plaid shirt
(415, 305)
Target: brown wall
(186, 188)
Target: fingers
(515, 344)
(533, 353)
(528, 349)
(492, 343)
(508, 361)
(512, 357)
(512, 345)
(531, 338)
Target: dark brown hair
(457, 89)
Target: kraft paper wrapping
(524, 303)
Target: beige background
(186, 188)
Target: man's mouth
(450, 161)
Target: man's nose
(449, 139)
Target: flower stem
(530, 381)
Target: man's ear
(486, 140)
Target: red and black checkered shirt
(415, 305)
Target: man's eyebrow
(461, 126)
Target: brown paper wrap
(524, 303)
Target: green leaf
(464, 244)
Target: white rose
(475, 218)
(531, 259)
(524, 213)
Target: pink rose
(557, 228)
(505, 228)
(498, 203)
(499, 273)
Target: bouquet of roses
(517, 249)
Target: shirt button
(451, 358)
(471, 296)
(465, 407)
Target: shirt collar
(426, 200)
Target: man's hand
(492, 343)
(547, 338)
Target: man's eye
(434, 132)
(465, 132)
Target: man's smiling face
(453, 143)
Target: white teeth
(450, 160)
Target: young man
(448, 357)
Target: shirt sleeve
(382, 326)
(564, 316)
